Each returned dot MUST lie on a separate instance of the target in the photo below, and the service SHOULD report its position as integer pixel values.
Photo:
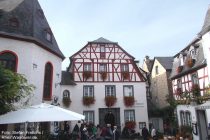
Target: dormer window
(40, 13)
(181, 60)
(48, 35)
(13, 22)
(193, 53)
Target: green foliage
(13, 87)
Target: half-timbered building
(190, 82)
(106, 85)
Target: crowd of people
(92, 132)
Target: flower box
(179, 92)
(87, 74)
(129, 101)
(179, 69)
(66, 101)
(87, 101)
(125, 75)
(190, 62)
(110, 100)
(103, 75)
(195, 89)
(130, 124)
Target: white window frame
(110, 90)
(129, 115)
(89, 116)
(88, 91)
(87, 67)
(102, 67)
(128, 90)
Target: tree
(13, 89)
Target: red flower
(129, 101)
(130, 124)
(87, 101)
(110, 100)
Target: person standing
(145, 133)
(116, 133)
(109, 133)
(153, 134)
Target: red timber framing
(186, 80)
(112, 56)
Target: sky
(141, 27)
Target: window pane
(110, 91)
(47, 81)
(8, 61)
(128, 90)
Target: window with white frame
(110, 90)
(129, 115)
(179, 83)
(88, 91)
(87, 67)
(124, 68)
(188, 118)
(66, 94)
(128, 90)
(102, 67)
(102, 51)
(156, 70)
(182, 118)
(89, 116)
(195, 79)
(193, 53)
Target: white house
(102, 70)
(28, 47)
(190, 77)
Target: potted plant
(103, 75)
(179, 69)
(110, 100)
(125, 75)
(130, 124)
(66, 101)
(190, 62)
(88, 100)
(129, 101)
(179, 92)
(87, 74)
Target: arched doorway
(109, 118)
(109, 115)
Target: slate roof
(206, 25)
(102, 40)
(166, 62)
(32, 24)
(67, 78)
(199, 63)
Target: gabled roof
(206, 25)
(149, 63)
(166, 62)
(102, 40)
(32, 24)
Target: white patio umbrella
(40, 113)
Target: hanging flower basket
(195, 89)
(87, 74)
(179, 92)
(110, 100)
(190, 62)
(129, 101)
(130, 124)
(66, 101)
(125, 75)
(103, 75)
(179, 69)
(87, 101)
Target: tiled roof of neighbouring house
(102, 40)
(166, 62)
(206, 25)
(67, 78)
(25, 20)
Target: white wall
(140, 107)
(29, 54)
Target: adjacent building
(105, 84)
(190, 80)
(28, 47)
